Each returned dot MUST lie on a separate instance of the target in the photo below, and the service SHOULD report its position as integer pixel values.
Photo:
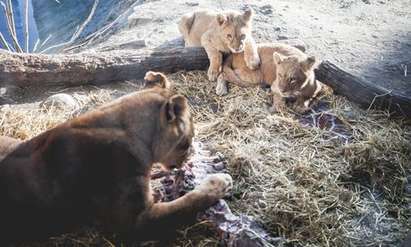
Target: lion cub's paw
(221, 88)
(216, 185)
(212, 74)
(253, 63)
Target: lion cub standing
(288, 70)
(219, 33)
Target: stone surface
(136, 20)
(61, 101)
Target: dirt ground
(333, 193)
(369, 38)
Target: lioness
(218, 33)
(96, 167)
(288, 70)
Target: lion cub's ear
(278, 58)
(153, 79)
(309, 63)
(175, 108)
(221, 19)
(248, 14)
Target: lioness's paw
(212, 74)
(216, 185)
(221, 88)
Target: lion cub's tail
(156, 79)
(185, 24)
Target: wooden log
(24, 70)
(364, 93)
(36, 70)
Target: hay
(26, 121)
(303, 184)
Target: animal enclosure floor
(305, 187)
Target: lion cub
(218, 33)
(288, 71)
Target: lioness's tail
(185, 24)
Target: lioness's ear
(221, 19)
(175, 107)
(248, 14)
(309, 63)
(156, 79)
(278, 58)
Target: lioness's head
(176, 130)
(235, 28)
(292, 74)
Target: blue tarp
(18, 11)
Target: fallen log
(23, 70)
(364, 93)
(37, 70)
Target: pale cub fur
(288, 71)
(218, 33)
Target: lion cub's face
(176, 130)
(235, 29)
(292, 75)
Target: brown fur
(288, 71)
(96, 167)
(218, 33)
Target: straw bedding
(306, 186)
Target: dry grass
(306, 186)
(303, 184)
(26, 121)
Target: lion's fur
(218, 33)
(96, 167)
(280, 64)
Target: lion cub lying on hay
(218, 33)
(288, 70)
(96, 167)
